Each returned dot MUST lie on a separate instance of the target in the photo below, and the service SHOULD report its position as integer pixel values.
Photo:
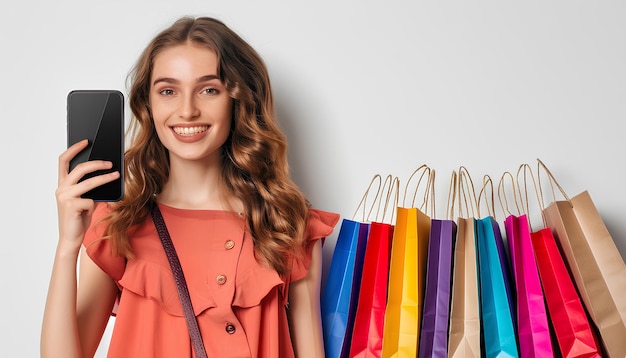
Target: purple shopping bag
(434, 332)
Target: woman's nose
(188, 108)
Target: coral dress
(239, 303)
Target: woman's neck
(197, 185)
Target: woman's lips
(190, 131)
(190, 134)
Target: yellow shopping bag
(407, 273)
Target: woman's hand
(75, 212)
(69, 328)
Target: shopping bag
(436, 313)
(340, 294)
(532, 319)
(497, 319)
(406, 279)
(367, 335)
(533, 329)
(464, 332)
(595, 263)
(573, 330)
(342, 284)
(435, 318)
(464, 339)
(496, 300)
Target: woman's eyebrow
(166, 80)
(208, 78)
(175, 81)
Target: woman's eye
(211, 90)
(167, 92)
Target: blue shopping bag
(340, 294)
(495, 297)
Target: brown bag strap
(181, 284)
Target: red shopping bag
(573, 330)
(367, 335)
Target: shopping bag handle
(483, 192)
(363, 202)
(429, 192)
(526, 169)
(465, 192)
(452, 190)
(392, 185)
(502, 194)
(553, 182)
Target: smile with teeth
(189, 131)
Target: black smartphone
(98, 116)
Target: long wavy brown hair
(255, 167)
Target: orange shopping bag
(406, 275)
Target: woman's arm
(305, 320)
(74, 319)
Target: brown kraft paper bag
(595, 264)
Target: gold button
(229, 244)
(221, 279)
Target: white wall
(362, 87)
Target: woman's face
(190, 106)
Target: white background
(362, 87)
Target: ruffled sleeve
(99, 248)
(320, 224)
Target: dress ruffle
(155, 282)
(320, 224)
(254, 284)
(99, 249)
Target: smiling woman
(189, 102)
(206, 155)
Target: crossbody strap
(181, 284)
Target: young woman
(208, 153)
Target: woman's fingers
(70, 187)
(69, 182)
(67, 155)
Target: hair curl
(255, 167)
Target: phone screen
(98, 116)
